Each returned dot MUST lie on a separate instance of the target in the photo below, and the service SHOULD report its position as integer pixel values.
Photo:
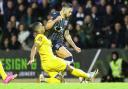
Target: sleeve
(38, 40)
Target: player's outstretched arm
(32, 54)
(51, 22)
(71, 42)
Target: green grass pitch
(64, 86)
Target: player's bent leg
(62, 52)
(53, 67)
(60, 67)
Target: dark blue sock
(70, 58)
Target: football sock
(79, 73)
(2, 72)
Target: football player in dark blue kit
(57, 32)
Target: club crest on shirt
(40, 38)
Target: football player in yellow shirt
(6, 78)
(51, 64)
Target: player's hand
(30, 62)
(77, 49)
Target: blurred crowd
(93, 24)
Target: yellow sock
(79, 73)
(52, 80)
(2, 72)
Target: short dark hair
(35, 25)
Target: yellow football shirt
(49, 63)
(44, 47)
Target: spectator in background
(102, 7)
(126, 30)
(107, 23)
(44, 9)
(10, 30)
(124, 11)
(29, 18)
(20, 2)
(21, 12)
(120, 13)
(14, 44)
(23, 35)
(75, 6)
(95, 17)
(9, 10)
(76, 40)
(108, 18)
(53, 3)
(14, 22)
(5, 44)
(88, 6)
(88, 28)
(72, 30)
(81, 36)
(79, 16)
(125, 2)
(118, 36)
(24, 2)
(116, 68)
(35, 9)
